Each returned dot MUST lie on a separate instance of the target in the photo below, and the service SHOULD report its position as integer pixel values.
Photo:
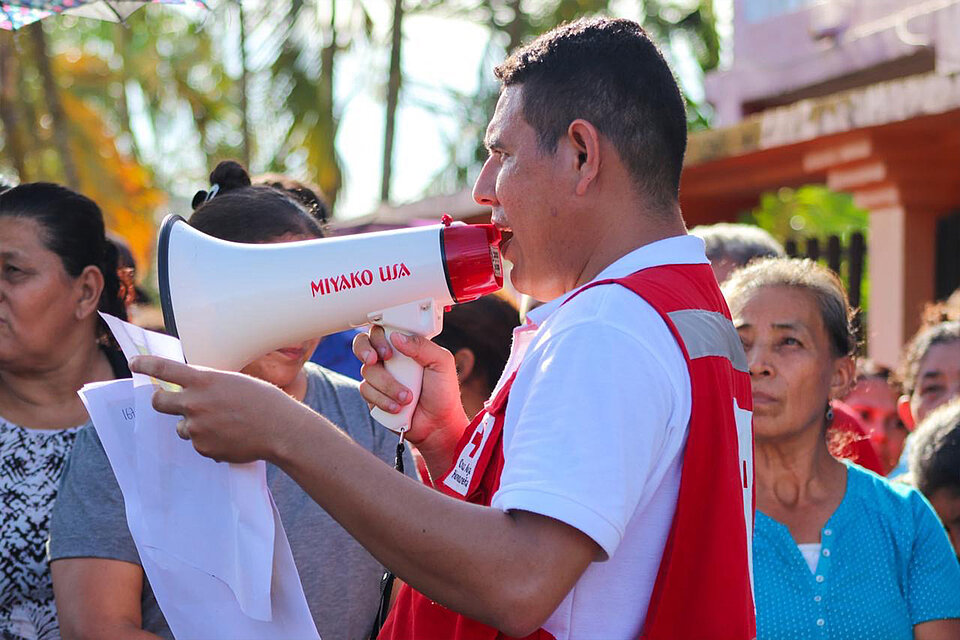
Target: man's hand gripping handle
(423, 318)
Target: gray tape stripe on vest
(707, 333)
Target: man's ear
(905, 413)
(584, 139)
(89, 286)
(465, 361)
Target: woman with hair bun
(100, 586)
(57, 270)
(838, 551)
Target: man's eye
(929, 390)
(790, 341)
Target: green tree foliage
(809, 211)
(693, 25)
(675, 24)
(812, 211)
(190, 110)
(62, 121)
(165, 89)
(294, 64)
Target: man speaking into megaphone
(605, 491)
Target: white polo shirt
(593, 436)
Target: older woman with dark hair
(838, 551)
(56, 271)
(930, 370)
(929, 375)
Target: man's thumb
(425, 352)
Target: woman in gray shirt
(99, 584)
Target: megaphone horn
(230, 303)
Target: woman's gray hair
(805, 274)
(738, 243)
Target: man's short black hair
(608, 72)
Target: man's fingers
(425, 352)
(169, 402)
(378, 340)
(376, 398)
(383, 383)
(164, 369)
(365, 352)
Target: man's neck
(626, 235)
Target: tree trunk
(61, 132)
(393, 95)
(124, 31)
(330, 122)
(516, 28)
(244, 76)
(8, 111)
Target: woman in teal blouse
(838, 552)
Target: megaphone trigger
(423, 318)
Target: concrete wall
(787, 50)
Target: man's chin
(521, 284)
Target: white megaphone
(230, 303)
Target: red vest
(703, 586)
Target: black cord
(386, 582)
(398, 463)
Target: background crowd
(856, 462)
(66, 548)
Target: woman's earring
(829, 415)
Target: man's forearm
(476, 560)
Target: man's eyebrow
(935, 373)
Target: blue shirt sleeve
(933, 574)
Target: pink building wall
(786, 50)
(811, 79)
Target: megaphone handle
(410, 374)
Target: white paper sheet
(208, 534)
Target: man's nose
(485, 188)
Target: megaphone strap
(386, 582)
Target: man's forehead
(508, 109)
